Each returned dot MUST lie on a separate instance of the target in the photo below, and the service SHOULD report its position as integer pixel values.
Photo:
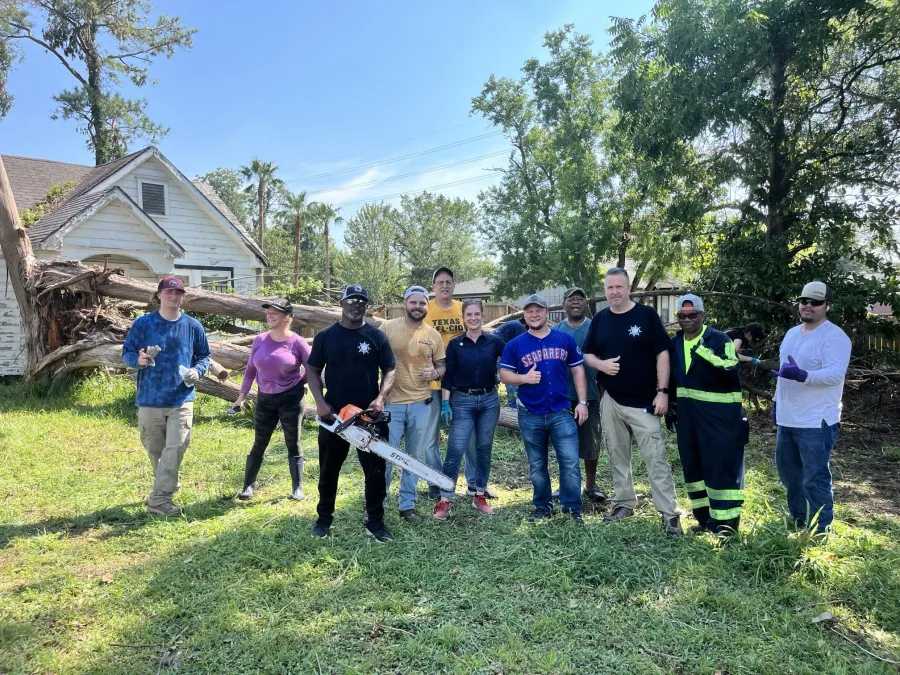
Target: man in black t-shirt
(351, 352)
(629, 348)
(749, 335)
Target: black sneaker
(434, 493)
(619, 513)
(382, 535)
(320, 530)
(488, 493)
(672, 526)
(539, 515)
(698, 529)
(578, 518)
(595, 494)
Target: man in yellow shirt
(419, 352)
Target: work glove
(774, 417)
(671, 416)
(446, 412)
(791, 371)
(754, 361)
(191, 377)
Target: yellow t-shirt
(688, 346)
(447, 322)
(412, 348)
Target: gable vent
(153, 198)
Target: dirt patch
(866, 470)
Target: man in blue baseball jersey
(537, 362)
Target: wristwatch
(582, 402)
(662, 390)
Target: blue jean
(413, 422)
(802, 456)
(433, 452)
(472, 416)
(560, 429)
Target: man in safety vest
(710, 426)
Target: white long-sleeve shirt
(825, 354)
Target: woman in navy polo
(470, 403)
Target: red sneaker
(479, 502)
(441, 510)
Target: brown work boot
(168, 509)
(672, 525)
(619, 513)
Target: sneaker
(697, 529)
(410, 516)
(382, 535)
(539, 515)
(169, 510)
(619, 513)
(488, 493)
(441, 510)
(578, 518)
(480, 504)
(595, 494)
(434, 493)
(672, 525)
(320, 530)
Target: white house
(138, 213)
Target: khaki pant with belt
(620, 424)
(165, 433)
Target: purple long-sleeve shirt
(276, 365)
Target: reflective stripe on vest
(710, 396)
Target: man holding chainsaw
(415, 415)
(351, 353)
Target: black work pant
(332, 452)
(711, 445)
(286, 408)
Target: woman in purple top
(278, 365)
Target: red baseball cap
(170, 282)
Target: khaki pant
(165, 433)
(622, 423)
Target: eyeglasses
(687, 315)
(808, 301)
(472, 301)
(356, 301)
(444, 282)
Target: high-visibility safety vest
(714, 372)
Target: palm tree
(295, 207)
(324, 215)
(263, 182)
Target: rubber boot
(295, 465)
(251, 471)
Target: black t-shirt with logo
(637, 336)
(352, 359)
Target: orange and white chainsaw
(357, 427)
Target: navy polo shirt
(472, 365)
(554, 354)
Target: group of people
(577, 385)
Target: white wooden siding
(113, 228)
(133, 269)
(12, 344)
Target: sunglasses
(687, 315)
(613, 270)
(356, 301)
(814, 303)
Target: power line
(398, 159)
(414, 192)
(406, 175)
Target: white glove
(191, 377)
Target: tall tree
(325, 215)
(791, 109)
(265, 185)
(295, 207)
(371, 260)
(434, 231)
(229, 185)
(98, 42)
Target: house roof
(473, 287)
(31, 179)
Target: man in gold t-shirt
(419, 352)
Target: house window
(216, 281)
(153, 198)
(219, 279)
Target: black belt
(474, 392)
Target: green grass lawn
(90, 584)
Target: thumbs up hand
(791, 371)
(429, 372)
(533, 376)
(610, 366)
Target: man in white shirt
(807, 409)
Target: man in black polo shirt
(351, 352)
(629, 347)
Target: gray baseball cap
(695, 300)
(535, 299)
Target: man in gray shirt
(577, 325)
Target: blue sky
(318, 87)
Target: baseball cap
(816, 290)
(535, 299)
(439, 270)
(355, 291)
(695, 300)
(415, 290)
(170, 282)
(281, 305)
(573, 291)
